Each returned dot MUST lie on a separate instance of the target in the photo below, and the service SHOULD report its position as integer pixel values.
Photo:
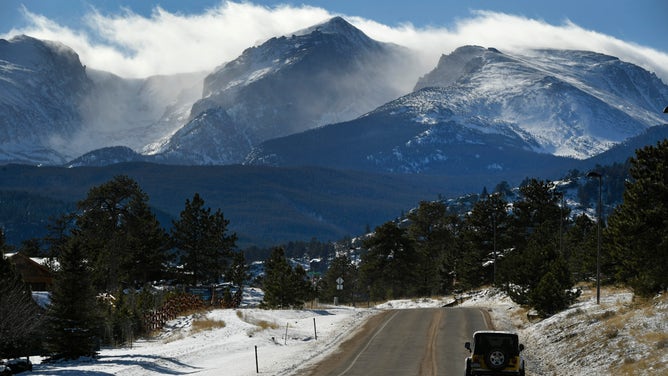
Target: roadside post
(257, 367)
(339, 287)
(315, 330)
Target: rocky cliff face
(42, 85)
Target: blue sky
(131, 39)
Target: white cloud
(510, 32)
(132, 45)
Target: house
(34, 274)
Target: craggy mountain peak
(325, 74)
(29, 52)
(572, 103)
(339, 26)
(279, 52)
(42, 84)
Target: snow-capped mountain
(325, 74)
(482, 112)
(42, 85)
(327, 95)
(571, 103)
(54, 109)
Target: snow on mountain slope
(54, 109)
(325, 74)
(42, 84)
(137, 113)
(572, 103)
(417, 133)
(484, 113)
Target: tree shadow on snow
(158, 364)
(321, 312)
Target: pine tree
(301, 285)
(72, 323)
(389, 267)
(535, 231)
(203, 242)
(580, 248)
(553, 291)
(20, 317)
(149, 245)
(637, 231)
(340, 267)
(280, 282)
(59, 228)
(433, 231)
(121, 237)
(237, 274)
(486, 228)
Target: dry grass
(263, 324)
(259, 325)
(654, 341)
(202, 324)
(630, 368)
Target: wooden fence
(172, 308)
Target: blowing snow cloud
(131, 45)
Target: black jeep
(494, 353)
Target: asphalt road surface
(411, 342)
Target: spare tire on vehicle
(496, 359)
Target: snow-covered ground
(620, 336)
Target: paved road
(424, 342)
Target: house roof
(30, 270)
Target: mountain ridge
(286, 85)
(560, 102)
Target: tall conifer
(72, 327)
(203, 242)
(638, 229)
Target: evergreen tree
(301, 285)
(580, 248)
(486, 228)
(535, 228)
(553, 291)
(59, 228)
(340, 267)
(148, 243)
(283, 287)
(237, 274)
(20, 317)
(121, 237)
(202, 240)
(31, 248)
(389, 266)
(637, 231)
(503, 189)
(72, 324)
(433, 231)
